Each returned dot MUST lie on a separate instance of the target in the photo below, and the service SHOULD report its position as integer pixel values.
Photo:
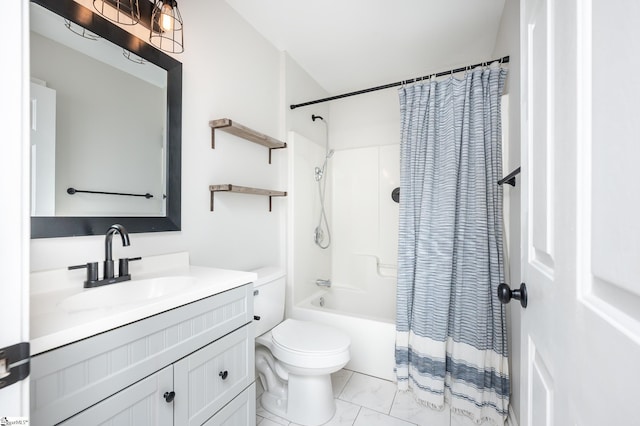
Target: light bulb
(166, 17)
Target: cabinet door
(141, 404)
(208, 379)
(241, 411)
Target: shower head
(315, 117)
(330, 153)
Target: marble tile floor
(363, 400)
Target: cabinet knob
(168, 396)
(224, 374)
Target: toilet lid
(310, 337)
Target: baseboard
(511, 418)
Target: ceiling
(348, 45)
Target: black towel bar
(72, 191)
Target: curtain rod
(502, 60)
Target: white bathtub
(368, 318)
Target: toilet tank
(268, 298)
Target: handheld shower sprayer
(319, 171)
(321, 179)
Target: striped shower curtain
(451, 342)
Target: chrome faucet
(108, 257)
(323, 283)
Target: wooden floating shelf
(245, 190)
(229, 126)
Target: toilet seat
(309, 345)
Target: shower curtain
(451, 342)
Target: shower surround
(361, 261)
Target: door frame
(14, 192)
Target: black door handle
(223, 374)
(168, 396)
(505, 294)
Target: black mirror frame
(49, 227)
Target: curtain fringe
(485, 420)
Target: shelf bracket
(271, 149)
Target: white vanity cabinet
(203, 352)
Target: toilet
(294, 359)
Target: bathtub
(367, 317)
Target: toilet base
(309, 400)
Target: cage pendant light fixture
(166, 26)
(125, 12)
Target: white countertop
(52, 326)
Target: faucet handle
(123, 265)
(92, 270)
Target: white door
(14, 205)
(580, 212)
(43, 150)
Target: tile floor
(363, 400)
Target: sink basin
(125, 293)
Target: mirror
(106, 126)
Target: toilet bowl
(294, 359)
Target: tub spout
(323, 283)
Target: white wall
(372, 119)
(508, 43)
(300, 87)
(230, 71)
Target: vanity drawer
(241, 411)
(72, 378)
(208, 379)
